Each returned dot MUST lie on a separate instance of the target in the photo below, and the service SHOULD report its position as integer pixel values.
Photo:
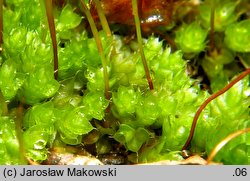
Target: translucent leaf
(68, 19)
(238, 35)
(72, 56)
(191, 38)
(147, 110)
(14, 41)
(37, 137)
(10, 79)
(96, 104)
(36, 140)
(9, 149)
(130, 137)
(224, 14)
(124, 134)
(125, 100)
(40, 85)
(72, 123)
(41, 114)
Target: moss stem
(139, 38)
(1, 24)
(18, 121)
(99, 47)
(50, 17)
(103, 18)
(4, 105)
(223, 142)
(211, 32)
(208, 100)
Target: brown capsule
(151, 12)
